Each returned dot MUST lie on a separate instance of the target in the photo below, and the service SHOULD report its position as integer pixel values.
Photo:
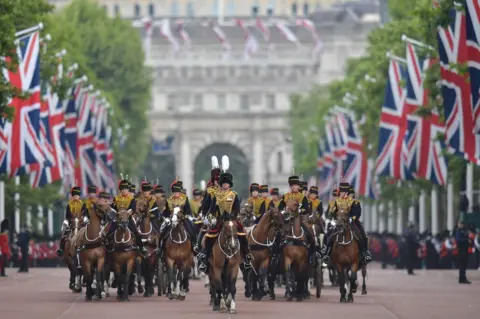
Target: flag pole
(21, 34)
(395, 58)
(416, 43)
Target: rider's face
(125, 191)
(197, 197)
(76, 197)
(275, 197)
(295, 188)
(225, 186)
(312, 196)
(264, 195)
(254, 193)
(92, 195)
(146, 193)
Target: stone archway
(239, 166)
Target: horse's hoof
(126, 299)
(364, 292)
(350, 298)
(272, 297)
(170, 296)
(107, 295)
(216, 308)
(299, 299)
(146, 294)
(119, 298)
(187, 290)
(88, 298)
(247, 294)
(233, 311)
(140, 289)
(103, 294)
(181, 298)
(343, 299)
(289, 298)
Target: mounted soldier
(356, 213)
(275, 197)
(146, 192)
(225, 207)
(264, 195)
(177, 199)
(76, 208)
(158, 192)
(126, 201)
(316, 203)
(132, 189)
(305, 209)
(256, 202)
(91, 197)
(196, 203)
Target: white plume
(215, 162)
(225, 163)
(203, 185)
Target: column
(50, 222)
(434, 207)
(421, 205)
(469, 186)
(400, 221)
(366, 215)
(450, 211)
(411, 213)
(2, 200)
(390, 220)
(258, 162)
(186, 174)
(29, 218)
(40, 220)
(374, 221)
(381, 219)
(17, 208)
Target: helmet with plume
(215, 172)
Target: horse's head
(276, 217)
(177, 217)
(102, 206)
(291, 210)
(123, 216)
(229, 234)
(161, 203)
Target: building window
(279, 162)
(198, 101)
(318, 6)
(190, 11)
(271, 101)
(270, 11)
(172, 102)
(151, 9)
(305, 9)
(116, 9)
(221, 101)
(244, 102)
(255, 10)
(294, 9)
(137, 10)
(174, 8)
(231, 8)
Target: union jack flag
(85, 168)
(320, 158)
(337, 151)
(22, 135)
(327, 178)
(358, 168)
(393, 125)
(456, 91)
(473, 45)
(425, 156)
(104, 177)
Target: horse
(295, 253)
(224, 265)
(345, 255)
(260, 239)
(71, 260)
(178, 256)
(150, 237)
(89, 241)
(316, 226)
(124, 254)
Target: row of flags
(52, 139)
(251, 45)
(410, 145)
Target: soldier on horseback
(126, 201)
(91, 197)
(304, 187)
(257, 203)
(264, 195)
(317, 207)
(345, 200)
(177, 199)
(225, 207)
(275, 197)
(76, 208)
(196, 203)
(158, 192)
(295, 194)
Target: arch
(239, 165)
(160, 169)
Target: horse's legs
(138, 268)
(146, 277)
(232, 289)
(128, 276)
(288, 279)
(119, 280)
(262, 278)
(364, 274)
(217, 288)
(341, 284)
(87, 271)
(353, 285)
(171, 278)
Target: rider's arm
(166, 211)
(205, 207)
(68, 213)
(213, 206)
(236, 206)
(262, 209)
(320, 209)
(355, 211)
(187, 210)
(305, 206)
(281, 205)
(132, 205)
(84, 210)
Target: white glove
(85, 220)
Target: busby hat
(158, 189)
(335, 192)
(76, 191)
(175, 188)
(4, 226)
(146, 187)
(226, 177)
(133, 188)
(254, 187)
(344, 187)
(197, 192)
(304, 186)
(274, 191)
(104, 195)
(351, 191)
(124, 184)
(293, 180)
(264, 189)
(216, 171)
(313, 190)
(180, 183)
(92, 189)
(184, 191)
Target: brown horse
(124, 254)
(90, 242)
(260, 239)
(71, 260)
(224, 265)
(316, 226)
(178, 256)
(345, 255)
(295, 253)
(150, 237)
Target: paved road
(43, 293)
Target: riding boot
(205, 254)
(364, 245)
(62, 245)
(328, 251)
(198, 245)
(311, 245)
(245, 248)
(138, 238)
(275, 250)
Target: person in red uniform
(5, 252)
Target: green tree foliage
(107, 50)
(417, 19)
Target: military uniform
(5, 252)
(315, 202)
(128, 202)
(305, 209)
(462, 240)
(196, 203)
(76, 208)
(275, 201)
(264, 195)
(355, 214)
(225, 207)
(257, 203)
(90, 201)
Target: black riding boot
(205, 254)
(138, 238)
(192, 235)
(328, 251)
(364, 243)
(198, 245)
(275, 250)
(62, 245)
(245, 249)
(311, 244)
